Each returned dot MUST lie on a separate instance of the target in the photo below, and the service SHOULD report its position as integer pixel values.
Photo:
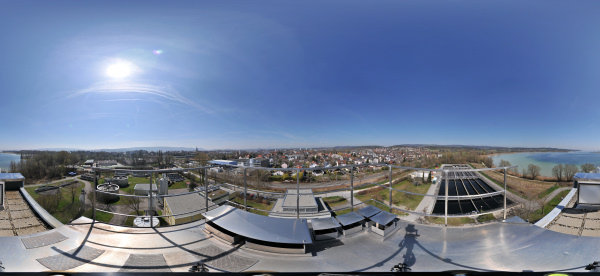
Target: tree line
(562, 172)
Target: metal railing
(351, 168)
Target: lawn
(66, 208)
(549, 206)
(255, 204)
(100, 216)
(333, 201)
(178, 185)
(409, 201)
(341, 212)
(129, 220)
(384, 207)
(132, 181)
(451, 221)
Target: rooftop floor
(18, 219)
(85, 246)
(578, 222)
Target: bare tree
(587, 167)
(133, 203)
(533, 170)
(558, 172)
(504, 163)
(570, 171)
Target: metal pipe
(245, 192)
(352, 190)
(205, 190)
(504, 193)
(390, 189)
(446, 199)
(150, 202)
(298, 193)
(94, 197)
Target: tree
(504, 163)
(73, 191)
(533, 170)
(558, 172)
(429, 178)
(192, 186)
(133, 203)
(570, 171)
(587, 167)
(160, 159)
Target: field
(525, 188)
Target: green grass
(62, 212)
(548, 191)
(333, 201)
(398, 198)
(138, 180)
(364, 187)
(451, 221)
(178, 185)
(129, 220)
(384, 207)
(255, 204)
(549, 206)
(486, 218)
(129, 189)
(341, 212)
(100, 216)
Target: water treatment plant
(258, 239)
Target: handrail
(448, 173)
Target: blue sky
(246, 74)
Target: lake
(547, 160)
(5, 159)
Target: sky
(281, 74)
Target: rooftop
(307, 200)
(11, 176)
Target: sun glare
(119, 70)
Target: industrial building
(189, 205)
(144, 189)
(300, 203)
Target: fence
(243, 188)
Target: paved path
(555, 193)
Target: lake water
(547, 160)
(5, 159)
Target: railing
(273, 194)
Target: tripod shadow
(408, 243)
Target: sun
(119, 70)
